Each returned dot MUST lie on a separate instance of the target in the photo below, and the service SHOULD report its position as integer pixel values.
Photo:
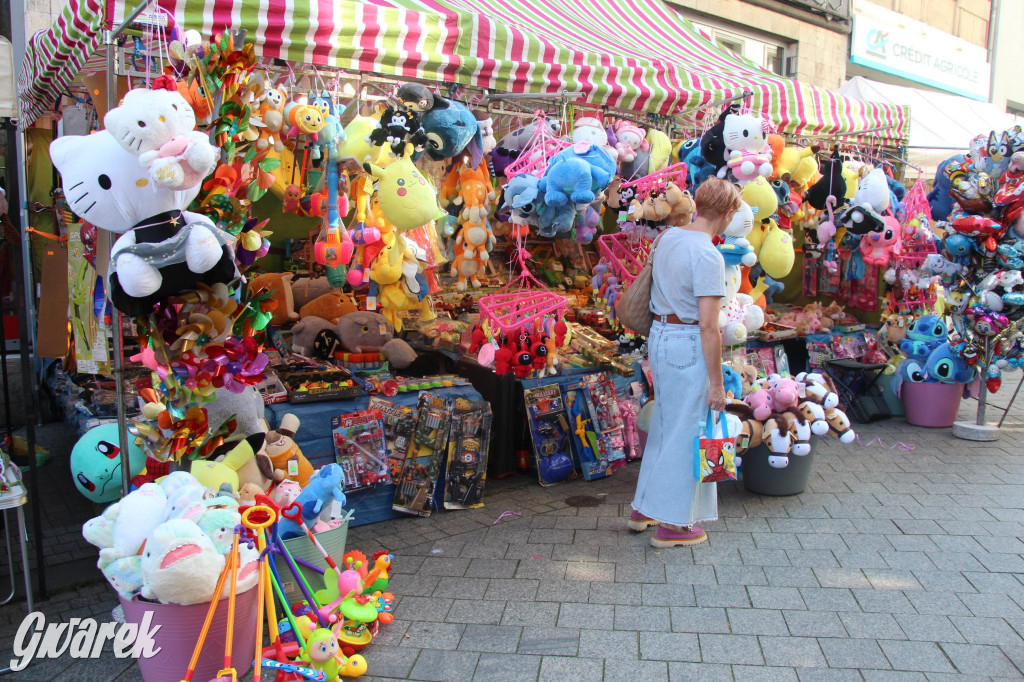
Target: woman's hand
(716, 398)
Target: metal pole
(110, 39)
(23, 298)
(983, 390)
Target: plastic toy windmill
(534, 157)
(624, 254)
(508, 310)
(658, 181)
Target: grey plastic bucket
(301, 548)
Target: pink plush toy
(759, 400)
(785, 393)
(879, 247)
(630, 139)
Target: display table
(314, 439)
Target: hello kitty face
(106, 185)
(147, 119)
(743, 132)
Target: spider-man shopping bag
(714, 459)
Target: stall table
(314, 439)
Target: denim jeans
(667, 490)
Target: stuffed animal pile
(783, 413)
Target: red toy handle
(293, 512)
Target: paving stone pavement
(895, 563)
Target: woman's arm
(711, 344)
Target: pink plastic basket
(179, 630)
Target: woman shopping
(685, 352)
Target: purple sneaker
(639, 522)
(667, 537)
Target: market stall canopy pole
(635, 55)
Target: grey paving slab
(814, 624)
(444, 666)
(797, 652)
(699, 619)
(853, 653)
(740, 649)
(560, 668)
(506, 667)
(872, 626)
(916, 656)
(550, 641)
(669, 646)
(704, 672)
(609, 644)
(973, 659)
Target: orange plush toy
(285, 454)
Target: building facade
(803, 39)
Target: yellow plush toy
(406, 195)
(762, 199)
(660, 149)
(357, 145)
(789, 159)
(776, 254)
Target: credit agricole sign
(890, 42)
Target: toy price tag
(293, 467)
(336, 509)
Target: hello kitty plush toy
(747, 153)
(738, 316)
(158, 126)
(163, 249)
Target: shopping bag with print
(714, 459)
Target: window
(729, 43)
(774, 59)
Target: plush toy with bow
(163, 249)
(158, 126)
(747, 152)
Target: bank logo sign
(876, 42)
(890, 42)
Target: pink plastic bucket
(931, 405)
(180, 626)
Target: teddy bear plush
(163, 249)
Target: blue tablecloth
(314, 439)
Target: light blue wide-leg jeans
(667, 490)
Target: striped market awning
(637, 55)
(54, 57)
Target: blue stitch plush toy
(926, 334)
(576, 174)
(451, 128)
(324, 486)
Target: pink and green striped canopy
(636, 55)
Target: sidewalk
(894, 564)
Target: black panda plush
(830, 183)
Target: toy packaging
(360, 449)
(399, 426)
(603, 402)
(309, 382)
(585, 448)
(550, 432)
(467, 455)
(414, 490)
